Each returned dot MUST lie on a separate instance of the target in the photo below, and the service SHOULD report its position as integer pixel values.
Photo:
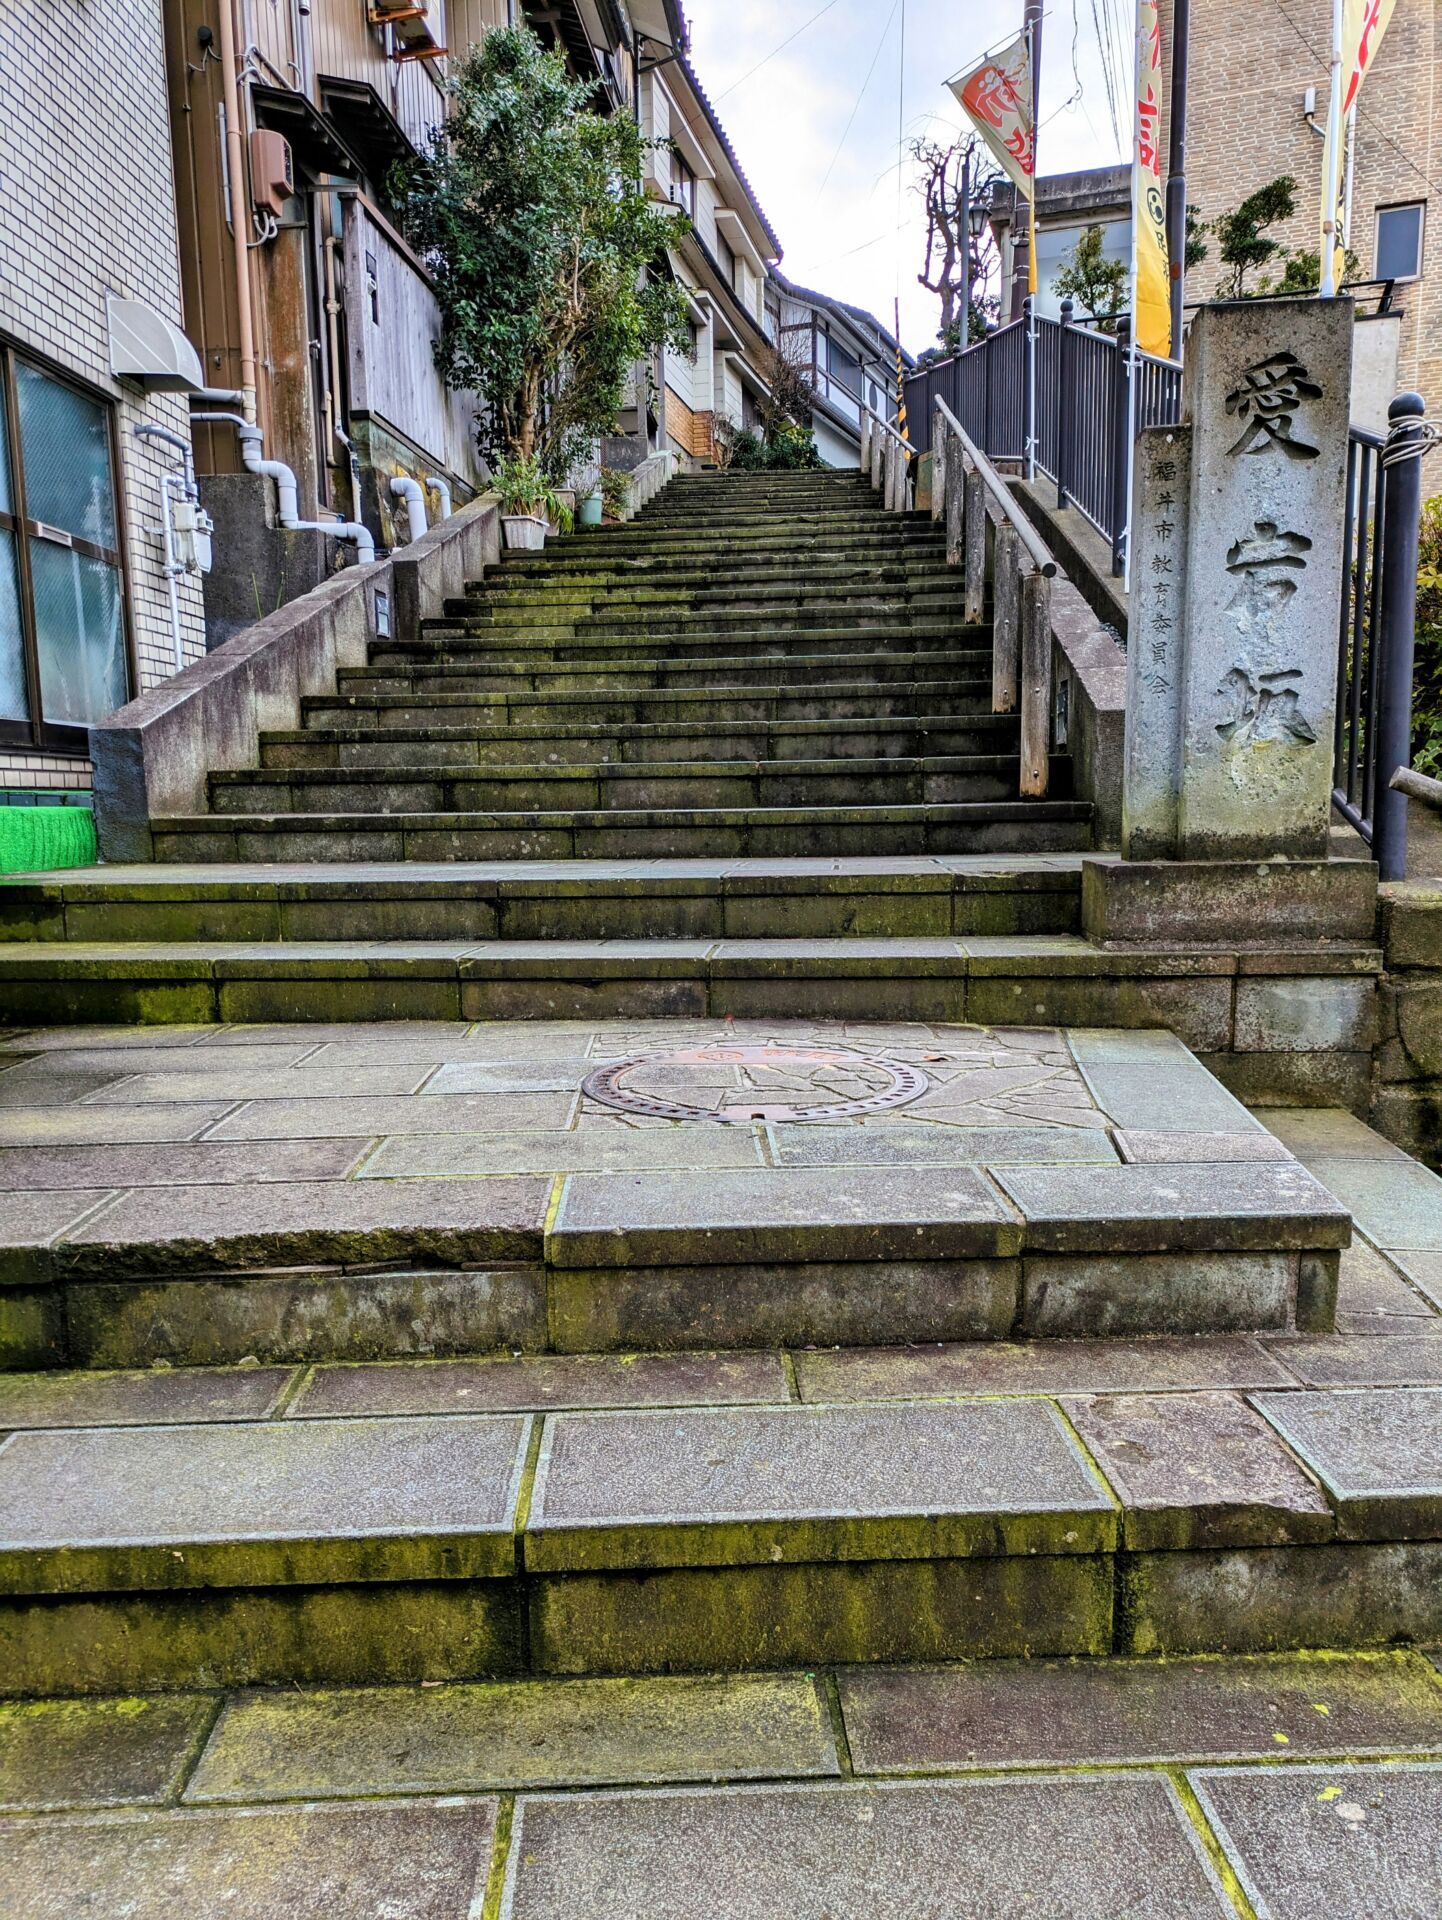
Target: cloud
(786, 122)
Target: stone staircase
(601, 1209)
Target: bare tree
(949, 178)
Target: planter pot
(590, 510)
(524, 532)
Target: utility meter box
(272, 171)
(193, 528)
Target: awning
(145, 346)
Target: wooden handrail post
(878, 456)
(1035, 684)
(974, 518)
(1005, 621)
(864, 462)
(938, 462)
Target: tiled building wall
(1251, 61)
(86, 208)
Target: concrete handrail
(647, 480)
(1418, 786)
(153, 757)
(1034, 548)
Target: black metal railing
(1056, 397)
(1377, 630)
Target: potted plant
(615, 492)
(529, 504)
(590, 498)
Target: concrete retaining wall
(152, 757)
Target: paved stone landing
(1038, 1181)
(790, 1794)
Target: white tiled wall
(86, 207)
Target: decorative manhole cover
(734, 1085)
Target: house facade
(846, 355)
(88, 265)
(721, 265)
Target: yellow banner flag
(997, 99)
(1153, 320)
(1363, 24)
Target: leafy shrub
(615, 492)
(788, 448)
(1427, 672)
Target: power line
(856, 104)
(1362, 113)
(781, 48)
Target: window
(683, 185)
(1399, 242)
(727, 261)
(844, 367)
(63, 656)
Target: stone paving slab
(851, 1213)
(222, 1081)
(1396, 1203)
(97, 1509)
(1371, 1288)
(36, 1169)
(1153, 1209)
(1330, 1843)
(458, 1739)
(1198, 1470)
(1006, 1713)
(619, 1150)
(100, 1126)
(426, 1860)
(1369, 1360)
(536, 1384)
(368, 1116)
(161, 1396)
(97, 1753)
(1378, 1454)
(283, 1223)
(937, 1144)
(31, 1221)
(719, 1487)
(1075, 1849)
(1043, 1366)
(1424, 1270)
(1327, 1133)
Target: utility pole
(1177, 168)
(1031, 25)
(965, 341)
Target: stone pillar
(1235, 589)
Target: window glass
(6, 505)
(1399, 243)
(14, 697)
(844, 367)
(79, 635)
(65, 448)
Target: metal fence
(1056, 397)
(1376, 635)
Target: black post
(1121, 416)
(1063, 403)
(1028, 387)
(1402, 486)
(1177, 168)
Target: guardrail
(968, 493)
(1377, 631)
(886, 457)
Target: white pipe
(224, 396)
(287, 496)
(1331, 154)
(443, 488)
(168, 483)
(412, 492)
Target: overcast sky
(787, 121)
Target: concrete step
(624, 644)
(991, 826)
(393, 1548)
(824, 702)
(567, 900)
(848, 618)
(510, 583)
(664, 785)
(442, 744)
(942, 668)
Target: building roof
(730, 152)
(859, 316)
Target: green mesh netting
(35, 838)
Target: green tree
(1195, 250)
(530, 213)
(1242, 238)
(1096, 283)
